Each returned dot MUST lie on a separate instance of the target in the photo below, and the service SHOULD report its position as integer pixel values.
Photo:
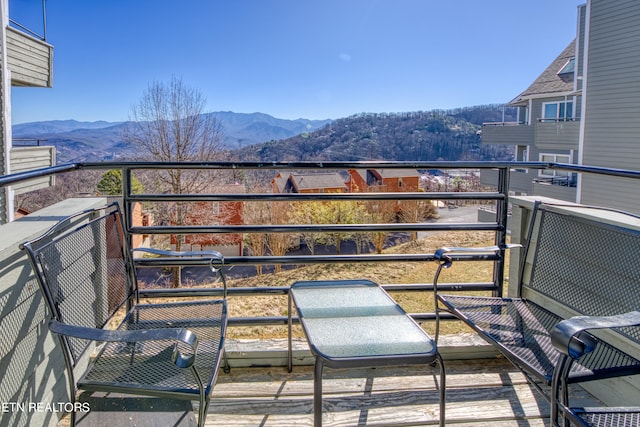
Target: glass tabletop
(355, 319)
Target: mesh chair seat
(606, 417)
(148, 365)
(522, 330)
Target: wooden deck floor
(479, 393)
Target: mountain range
(101, 140)
(411, 136)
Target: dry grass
(383, 273)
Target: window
(554, 158)
(557, 111)
(216, 208)
(522, 155)
(567, 72)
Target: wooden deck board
(482, 392)
(479, 393)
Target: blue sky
(292, 58)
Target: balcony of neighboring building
(520, 181)
(551, 134)
(29, 57)
(510, 133)
(562, 186)
(30, 155)
(545, 134)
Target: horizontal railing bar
(421, 287)
(311, 259)
(284, 290)
(625, 173)
(284, 320)
(414, 195)
(212, 292)
(318, 228)
(36, 173)
(53, 170)
(267, 320)
(419, 317)
(338, 165)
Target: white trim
(520, 100)
(583, 109)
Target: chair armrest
(155, 251)
(441, 255)
(177, 334)
(570, 336)
(215, 256)
(216, 261)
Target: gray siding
(557, 135)
(612, 115)
(30, 158)
(30, 60)
(509, 134)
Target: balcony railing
(495, 197)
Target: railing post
(127, 209)
(502, 215)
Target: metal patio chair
(165, 349)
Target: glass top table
(354, 324)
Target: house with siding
(218, 213)
(583, 109)
(547, 130)
(308, 183)
(383, 180)
(26, 60)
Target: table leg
(289, 339)
(317, 393)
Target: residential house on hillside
(26, 60)
(583, 109)
(383, 180)
(309, 183)
(214, 213)
(547, 130)
(139, 218)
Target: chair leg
(225, 362)
(202, 410)
(443, 380)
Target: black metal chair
(572, 339)
(166, 349)
(579, 262)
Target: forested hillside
(424, 135)
(416, 136)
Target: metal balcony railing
(498, 196)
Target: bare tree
(256, 213)
(379, 212)
(278, 243)
(169, 125)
